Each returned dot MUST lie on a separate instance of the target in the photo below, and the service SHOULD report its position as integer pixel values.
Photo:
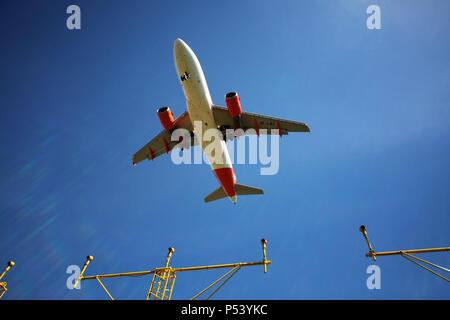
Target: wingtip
(307, 128)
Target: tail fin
(240, 189)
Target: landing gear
(223, 130)
(185, 76)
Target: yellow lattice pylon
(163, 279)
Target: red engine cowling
(166, 118)
(234, 104)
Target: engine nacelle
(166, 118)
(234, 104)
(234, 108)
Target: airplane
(201, 108)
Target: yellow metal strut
(3, 284)
(407, 254)
(164, 278)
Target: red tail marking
(227, 180)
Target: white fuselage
(199, 103)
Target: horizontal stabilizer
(243, 190)
(240, 190)
(216, 195)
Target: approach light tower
(3, 284)
(163, 279)
(407, 254)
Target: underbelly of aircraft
(216, 150)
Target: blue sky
(76, 105)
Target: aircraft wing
(258, 122)
(162, 143)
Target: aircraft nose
(179, 44)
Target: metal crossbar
(164, 278)
(407, 254)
